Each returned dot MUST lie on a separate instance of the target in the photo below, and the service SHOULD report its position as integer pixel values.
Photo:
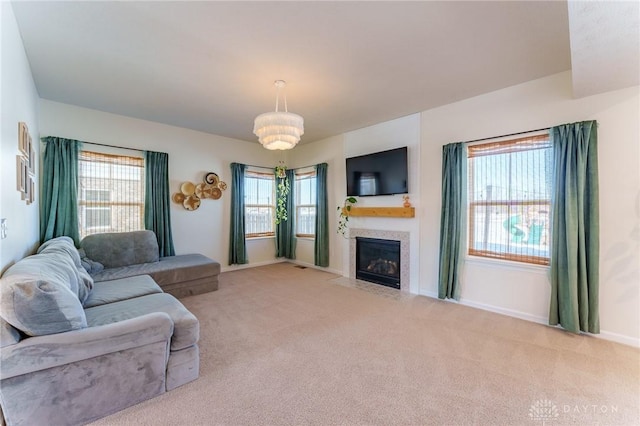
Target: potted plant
(282, 190)
(344, 211)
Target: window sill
(262, 237)
(506, 264)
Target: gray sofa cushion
(65, 246)
(186, 331)
(91, 266)
(186, 267)
(117, 290)
(39, 305)
(121, 248)
(168, 270)
(39, 294)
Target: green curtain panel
(286, 229)
(157, 200)
(575, 233)
(321, 247)
(452, 219)
(237, 243)
(59, 199)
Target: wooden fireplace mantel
(402, 212)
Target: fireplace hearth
(378, 261)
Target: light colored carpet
(281, 345)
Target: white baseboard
(619, 338)
(311, 265)
(279, 260)
(606, 335)
(491, 308)
(250, 265)
(504, 311)
(430, 294)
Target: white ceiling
(605, 45)
(210, 66)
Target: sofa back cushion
(64, 246)
(40, 294)
(121, 248)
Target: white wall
(404, 131)
(19, 100)
(524, 292)
(396, 133)
(191, 155)
(328, 151)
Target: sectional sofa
(74, 348)
(127, 254)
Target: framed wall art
(23, 138)
(25, 165)
(21, 177)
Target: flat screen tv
(380, 173)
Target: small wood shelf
(405, 212)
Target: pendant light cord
(279, 85)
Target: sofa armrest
(42, 352)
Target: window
(97, 218)
(305, 193)
(259, 204)
(509, 185)
(110, 193)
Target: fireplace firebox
(378, 261)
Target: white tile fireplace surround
(403, 237)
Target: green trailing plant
(344, 210)
(283, 188)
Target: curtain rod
(112, 146)
(507, 135)
(93, 143)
